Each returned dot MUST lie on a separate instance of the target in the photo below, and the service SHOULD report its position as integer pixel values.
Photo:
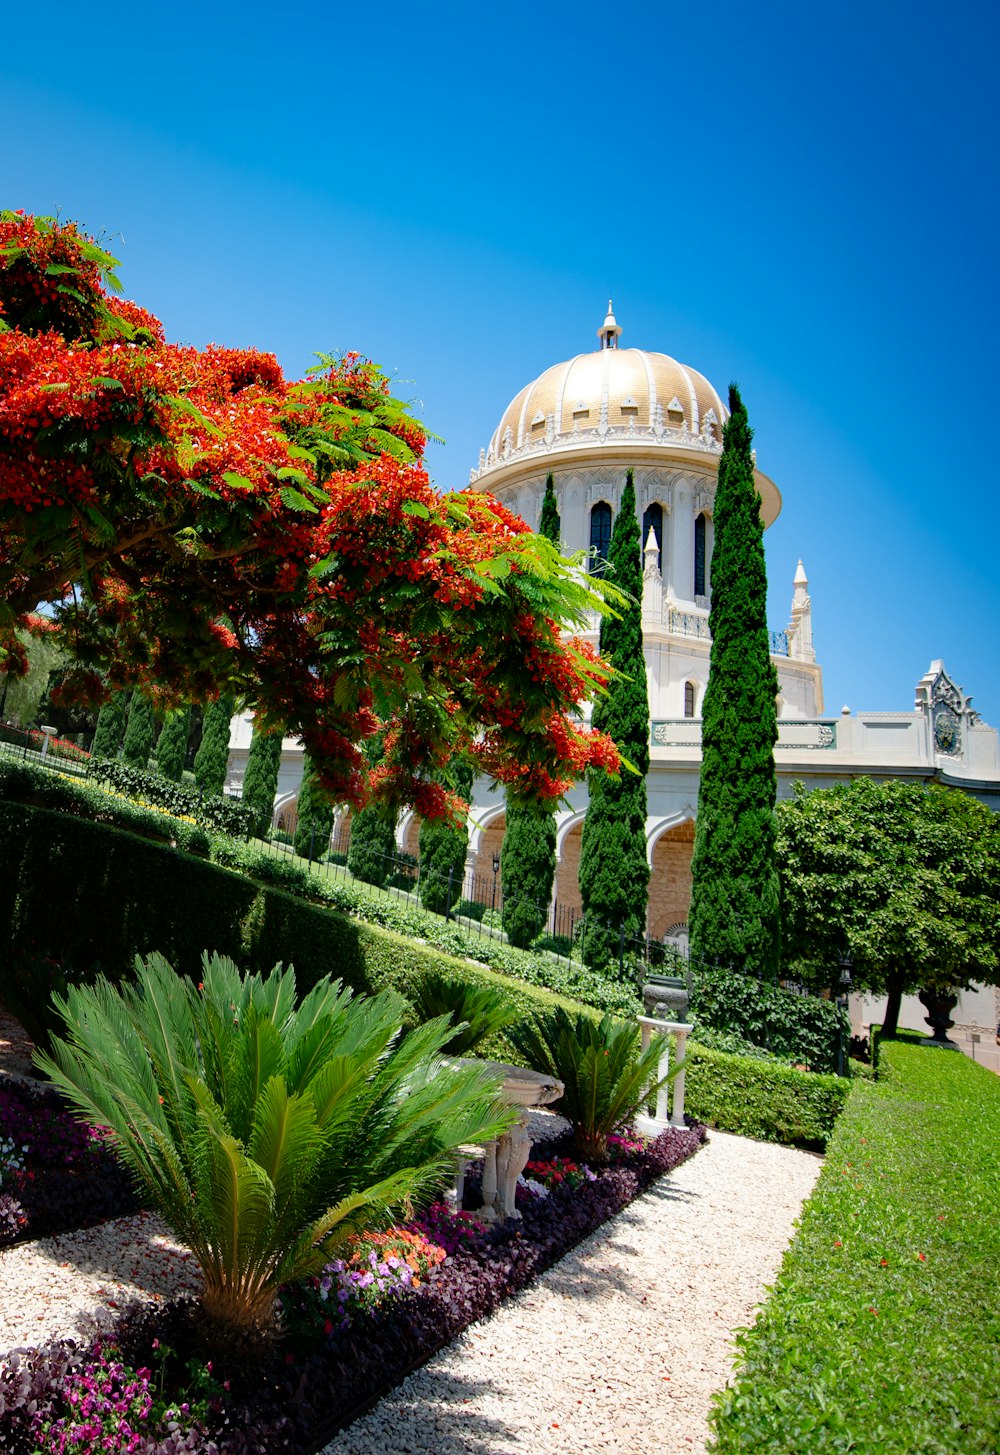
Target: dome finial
(609, 331)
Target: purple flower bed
(295, 1400)
(55, 1174)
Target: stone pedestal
(504, 1160)
(667, 1115)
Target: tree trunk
(890, 1020)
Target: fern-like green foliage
(266, 1132)
(476, 1010)
(606, 1073)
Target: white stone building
(588, 421)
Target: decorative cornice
(600, 437)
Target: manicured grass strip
(882, 1333)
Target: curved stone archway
(670, 881)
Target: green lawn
(883, 1331)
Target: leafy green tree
(606, 1073)
(111, 722)
(549, 524)
(20, 696)
(528, 852)
(171, 745)
(265, 1132)
(614, 871)
(140, 732)
(212, 757)
(444, 845)
(904, 878)
(314, 823)
(528, 866)
(260, 782)
(734, 914)
(371, 854)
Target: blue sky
(800, 198)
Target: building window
(689, 699)
(699, 555)
(653, 517)
(600, 535)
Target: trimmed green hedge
(762, 1099)
(78, 897)
(881, 1335)
(212, 811)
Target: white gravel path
(55, 1287)
(619, 1346)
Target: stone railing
(796, 735)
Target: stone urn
(665, 998)
(939, 1005)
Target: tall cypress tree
(260, 781)
(734, 898)
(444, 845)
(614, 872)
(549, 524)
(314, 823)
(111, 722)
(371, 853)
(528, 852)
(140, 732)
(171, 745)
(212, 758)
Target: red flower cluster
(207, 525)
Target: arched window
(600, 535)
(699, 555)
(653, 517)
(689, 692)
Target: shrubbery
(881, 1334)
(224, 815)
(762, 1099)
(795, 1027)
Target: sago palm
(606, 1073)
(266, 1132)
(477, 1011)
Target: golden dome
(613, 399)
(621, 389)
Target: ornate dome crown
(609, 393)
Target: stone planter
(665, 998)
(939, 1005)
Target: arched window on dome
(699, 555)
(690, 693)
(600, 536)
(653, 518)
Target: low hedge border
(78, 898)
(762, 1099)
(881, 1334)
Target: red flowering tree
(200, 524)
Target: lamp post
(496, 871)
(845, 964)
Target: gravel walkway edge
(620, 1346)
